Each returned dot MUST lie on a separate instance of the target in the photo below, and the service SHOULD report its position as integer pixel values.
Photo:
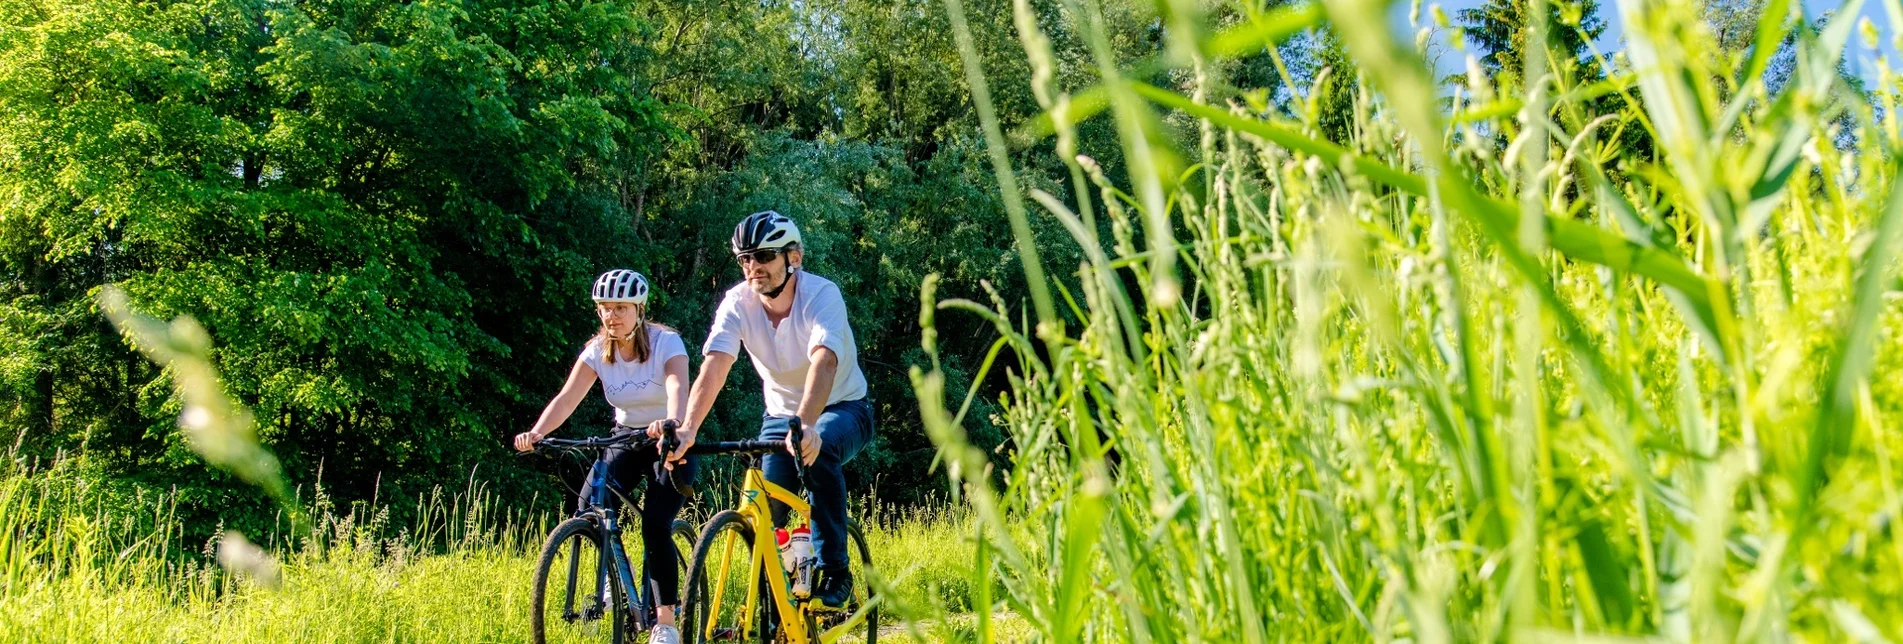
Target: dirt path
(1006, 626)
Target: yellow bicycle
(736, 589)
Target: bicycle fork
(616, 563)
(600, 595)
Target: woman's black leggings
(627, 468)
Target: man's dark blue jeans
(845, 427)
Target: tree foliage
(1498, 29)
(379, 210)
(387, 214)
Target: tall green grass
(87, 557)
(85, 562)
(1478, 374)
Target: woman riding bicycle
(642, 366)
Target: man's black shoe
(834, 592)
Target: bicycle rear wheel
(576, 596)
(684, 536)
(860, 623)
(723, 604)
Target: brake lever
(794, 433)
(797, 433)
(670, 441)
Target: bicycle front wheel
(576, 596)
(725, 599)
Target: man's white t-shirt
(638, 390)
(783, 355)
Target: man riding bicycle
(793, 325)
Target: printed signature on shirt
(631, 385)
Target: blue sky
(1863, 59)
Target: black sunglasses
(761, 256)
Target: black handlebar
(603, 442)
(670, 442)
(737, 447)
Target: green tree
(852, 117)
(381, 212)
(387, 214)
(1498, 29)
(1733, 23)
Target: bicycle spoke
(714, 617)
(724, 609)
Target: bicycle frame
(756, 493)
(615, 554)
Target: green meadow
(1291, 336)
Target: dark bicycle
(589, 563)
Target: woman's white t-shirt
(638, 390)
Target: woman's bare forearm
(563, 405)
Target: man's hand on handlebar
(808, 449)
(526, 441)
(659, 430)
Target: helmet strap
(640, 324)
(790, 269)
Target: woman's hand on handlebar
(658, 431)
(525, 441)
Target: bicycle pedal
(820, 607)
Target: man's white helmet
(765, 229)
(621, 285)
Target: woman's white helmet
(764, 229)
(621, 285)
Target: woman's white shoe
(664, 634)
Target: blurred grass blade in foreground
(215, 426)
(1604, 357)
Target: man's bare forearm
(713, 376)
(819, 385)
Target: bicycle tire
(862, 590)
(685, 536)
(578, 536)
(699, 602)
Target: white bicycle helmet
(764, 229)
(621, 285)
